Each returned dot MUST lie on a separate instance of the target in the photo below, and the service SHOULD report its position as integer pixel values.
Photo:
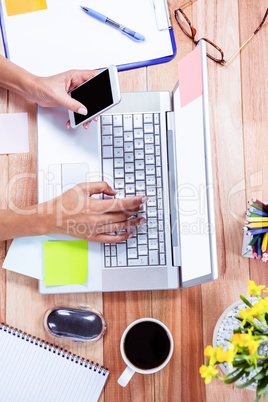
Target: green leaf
(262, 386)
(238, 318)
(258, 398)
(232, 373)
(246, 383)
(245, 301)
(250, 368)
(235, 378)
(265, 397)
(260, 375)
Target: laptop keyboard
(131, 160)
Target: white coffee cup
(152, 329)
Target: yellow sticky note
(65, 262)
(15, 7)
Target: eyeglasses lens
(183, 23)
(213, 52)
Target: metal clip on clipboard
(161, 14)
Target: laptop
(153, 143)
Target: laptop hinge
(173, 186)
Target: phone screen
(96, 95)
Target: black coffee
(147, 345)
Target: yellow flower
(226, 356)
(209, 350)
(253, 288)
(207, 372)
(241, 341)
(258, 310)
(212, 354)
(246, 315)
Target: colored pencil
(257, 225)
(260, 203)
(254, 251)
(252, 242)
(264, 242)
(259, 253)
(256, 219)
(251, 215)
(252, 204)
(256, 231)
(257, 211)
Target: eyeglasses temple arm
(257, 30)
(231, 58)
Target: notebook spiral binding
(54, 349)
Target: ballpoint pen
(124, 30)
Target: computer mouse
(77, 324)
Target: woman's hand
(45, 91)
(53, 91)
(78, 214)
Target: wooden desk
(239, 126)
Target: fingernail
(143, 220)
(144, 199)
(130, 235)
(141, 207)
(82, 111)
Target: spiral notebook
(34, 370)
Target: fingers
(114, 217)
(127, 205)
(99, 187)
(119, 226)
(78, 77)
(106, 238)
(85, 125)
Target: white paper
(192, 186)
(64, 37)
(25, 256)
(30, 371)
(14, 136)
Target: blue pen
(124, 30)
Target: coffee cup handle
(125, 377)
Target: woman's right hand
(77, 213)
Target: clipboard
(32, 47)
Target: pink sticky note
(190, 77)
(14, 136)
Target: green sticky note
(65, 262)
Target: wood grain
(238, 95)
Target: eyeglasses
(213, 51)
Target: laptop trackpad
(66, 175)
(63, 177)
(72, 174)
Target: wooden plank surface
(238, 95)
